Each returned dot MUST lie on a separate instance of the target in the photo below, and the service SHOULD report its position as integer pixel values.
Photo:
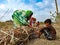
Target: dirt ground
(42, 40)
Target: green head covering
(29, 13)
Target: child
(38, 24)
(48, 30)
(32, 21)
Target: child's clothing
(32, 21)
(49, 32)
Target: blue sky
(41, 8)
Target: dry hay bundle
(13, 36)
(21, 34)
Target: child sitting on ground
(48, 30)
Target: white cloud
(13, 5)
(43, 4)
(18, 4)
(41, 12)
(40, 4)
(2, 6)
(42, 15)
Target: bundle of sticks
(13, 36)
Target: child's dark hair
(48, 21)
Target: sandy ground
(43, 41)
